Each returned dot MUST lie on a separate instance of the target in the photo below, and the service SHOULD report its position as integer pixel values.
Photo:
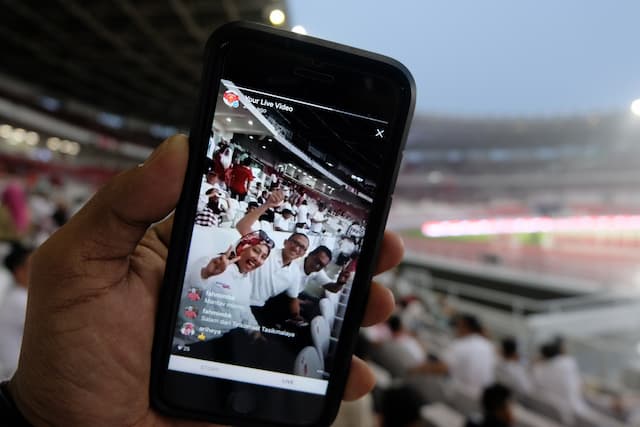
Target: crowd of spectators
(31, 209)
(483, 379)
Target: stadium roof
(137, 59)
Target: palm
(104, 335)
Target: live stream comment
(218, 315)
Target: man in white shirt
(13, 309)
(315, 281)
(280, 273)
(557, 380)
(318, 219)
(313, 276)
(284, 221)
(278, 288)
(279, 277)
(302, 216)
(414, 354)
(469, 359)
(510, 371)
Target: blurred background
(518, 197)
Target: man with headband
(226, 287)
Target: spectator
(556, 379)
(346, 246)
(13, 309)
(469, 359)
(510, 371)
(496, 408)
(406, 341)
(284, 221)
(241, 177)
(15, 201)
(263, 196)
(302, 216)
(318, 219)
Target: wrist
(9, 412)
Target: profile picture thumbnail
(190, 312)
(188, 329)
(194, 294)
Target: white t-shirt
(471, 362)
(312, 284)
(284, 224)
(558, 382)
(274, 278)
(316, 227)
(225, 302)
(12, 314)
(346, 246)
(413, 349)
(512, 374)
(303, 214)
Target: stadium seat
(545, 408)
(328, 311)
(320, 335)
(309, 363)
(526, 418)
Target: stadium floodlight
(299, 29)
(635, 107)
(277, 17)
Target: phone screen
(284, 201)
(293, 158)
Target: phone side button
(241, 402)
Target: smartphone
(294, 153)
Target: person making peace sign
(226, 286)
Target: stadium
(528, 223)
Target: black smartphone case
(180, 239)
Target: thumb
(115, 219)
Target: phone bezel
(170, 390)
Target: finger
(234, 260)
(228, 252)
(361, 380)
(115, 219)
(162, 230)
(380, 305)
(391, 252)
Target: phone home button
(242, 402)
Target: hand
(93, 294)
(218, 264)
(333, 287)
(275, 199)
